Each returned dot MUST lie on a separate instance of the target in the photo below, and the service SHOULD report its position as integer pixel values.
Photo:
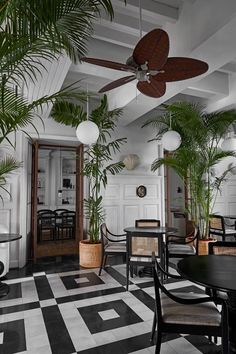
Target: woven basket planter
(203, 246)
(90, 254)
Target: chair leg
(158, 345)
(100, 270)
(105, 261)
(127, 274)
(154, 323)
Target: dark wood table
(217, 272)
(151, 232)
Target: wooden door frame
(57, 247)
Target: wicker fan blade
(117, 83)
(153, 89)
(152, 48)
(177, 69)
(108, 64)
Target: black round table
(217, 272)
(6, 238)
(151, 232)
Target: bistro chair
(178, 246)
(66, 225)
(4, 288)
(224, 249)
(147, 223)
(218, 228)
(46, 226)
(186, 313)
(112, 245)
(140, 248)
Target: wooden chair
(111, 245)
(146, 223)
(224, 249)
(140, 248)
(46, 226)
(182, 246)
(66, 225)
(218, 228)
(186, 313)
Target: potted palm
(198, 155)
(32, 35)
(97, 165)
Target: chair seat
(141, 259)
(205, 314)
(181, 249)
(116, 247)
(220, 232)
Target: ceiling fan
(151, 66)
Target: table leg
(232, 321)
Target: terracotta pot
(90, 254)
(203, 246)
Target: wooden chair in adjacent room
(112, 245)
(66, 225)
(46, 226)
(218, 228)
(186, 313)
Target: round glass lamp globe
(171, 140)
(229, 144)
(87, 132)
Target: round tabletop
(214, 271)
(150, 230)
(9, 237)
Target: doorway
(57, 199)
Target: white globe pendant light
(87, 131)
(229, 144)
(171, 140)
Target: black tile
(43, 288)
(96, 324)
(144, 298)
(14, 292)
(70, 283)
(203, 344)
(58, 335)
(89, 295)
(13, 337)
(18, 308)
(117, 276)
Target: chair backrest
(104, 235)
(49, 211)
(59, 211)
(216, 223)
(145, 223)
(68, 217)
(46, 218)
(222, 248)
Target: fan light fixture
(171, 139)
(87, 131)
(229, 144)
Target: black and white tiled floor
(58, 308)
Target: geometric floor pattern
(58, 308)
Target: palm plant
(195, 160)
(32, 34)
(97, 157)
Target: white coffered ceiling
(201, 29)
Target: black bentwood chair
(186, 313)
(217, 227)
(111, 245)
(182, 246)
(4, 288)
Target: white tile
(181, 345)
(49, 302)
(81, 280)
(1, 337)
(108, 314)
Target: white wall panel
(113, 218)
(112, 191)
(131, 213)
(151, 211)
